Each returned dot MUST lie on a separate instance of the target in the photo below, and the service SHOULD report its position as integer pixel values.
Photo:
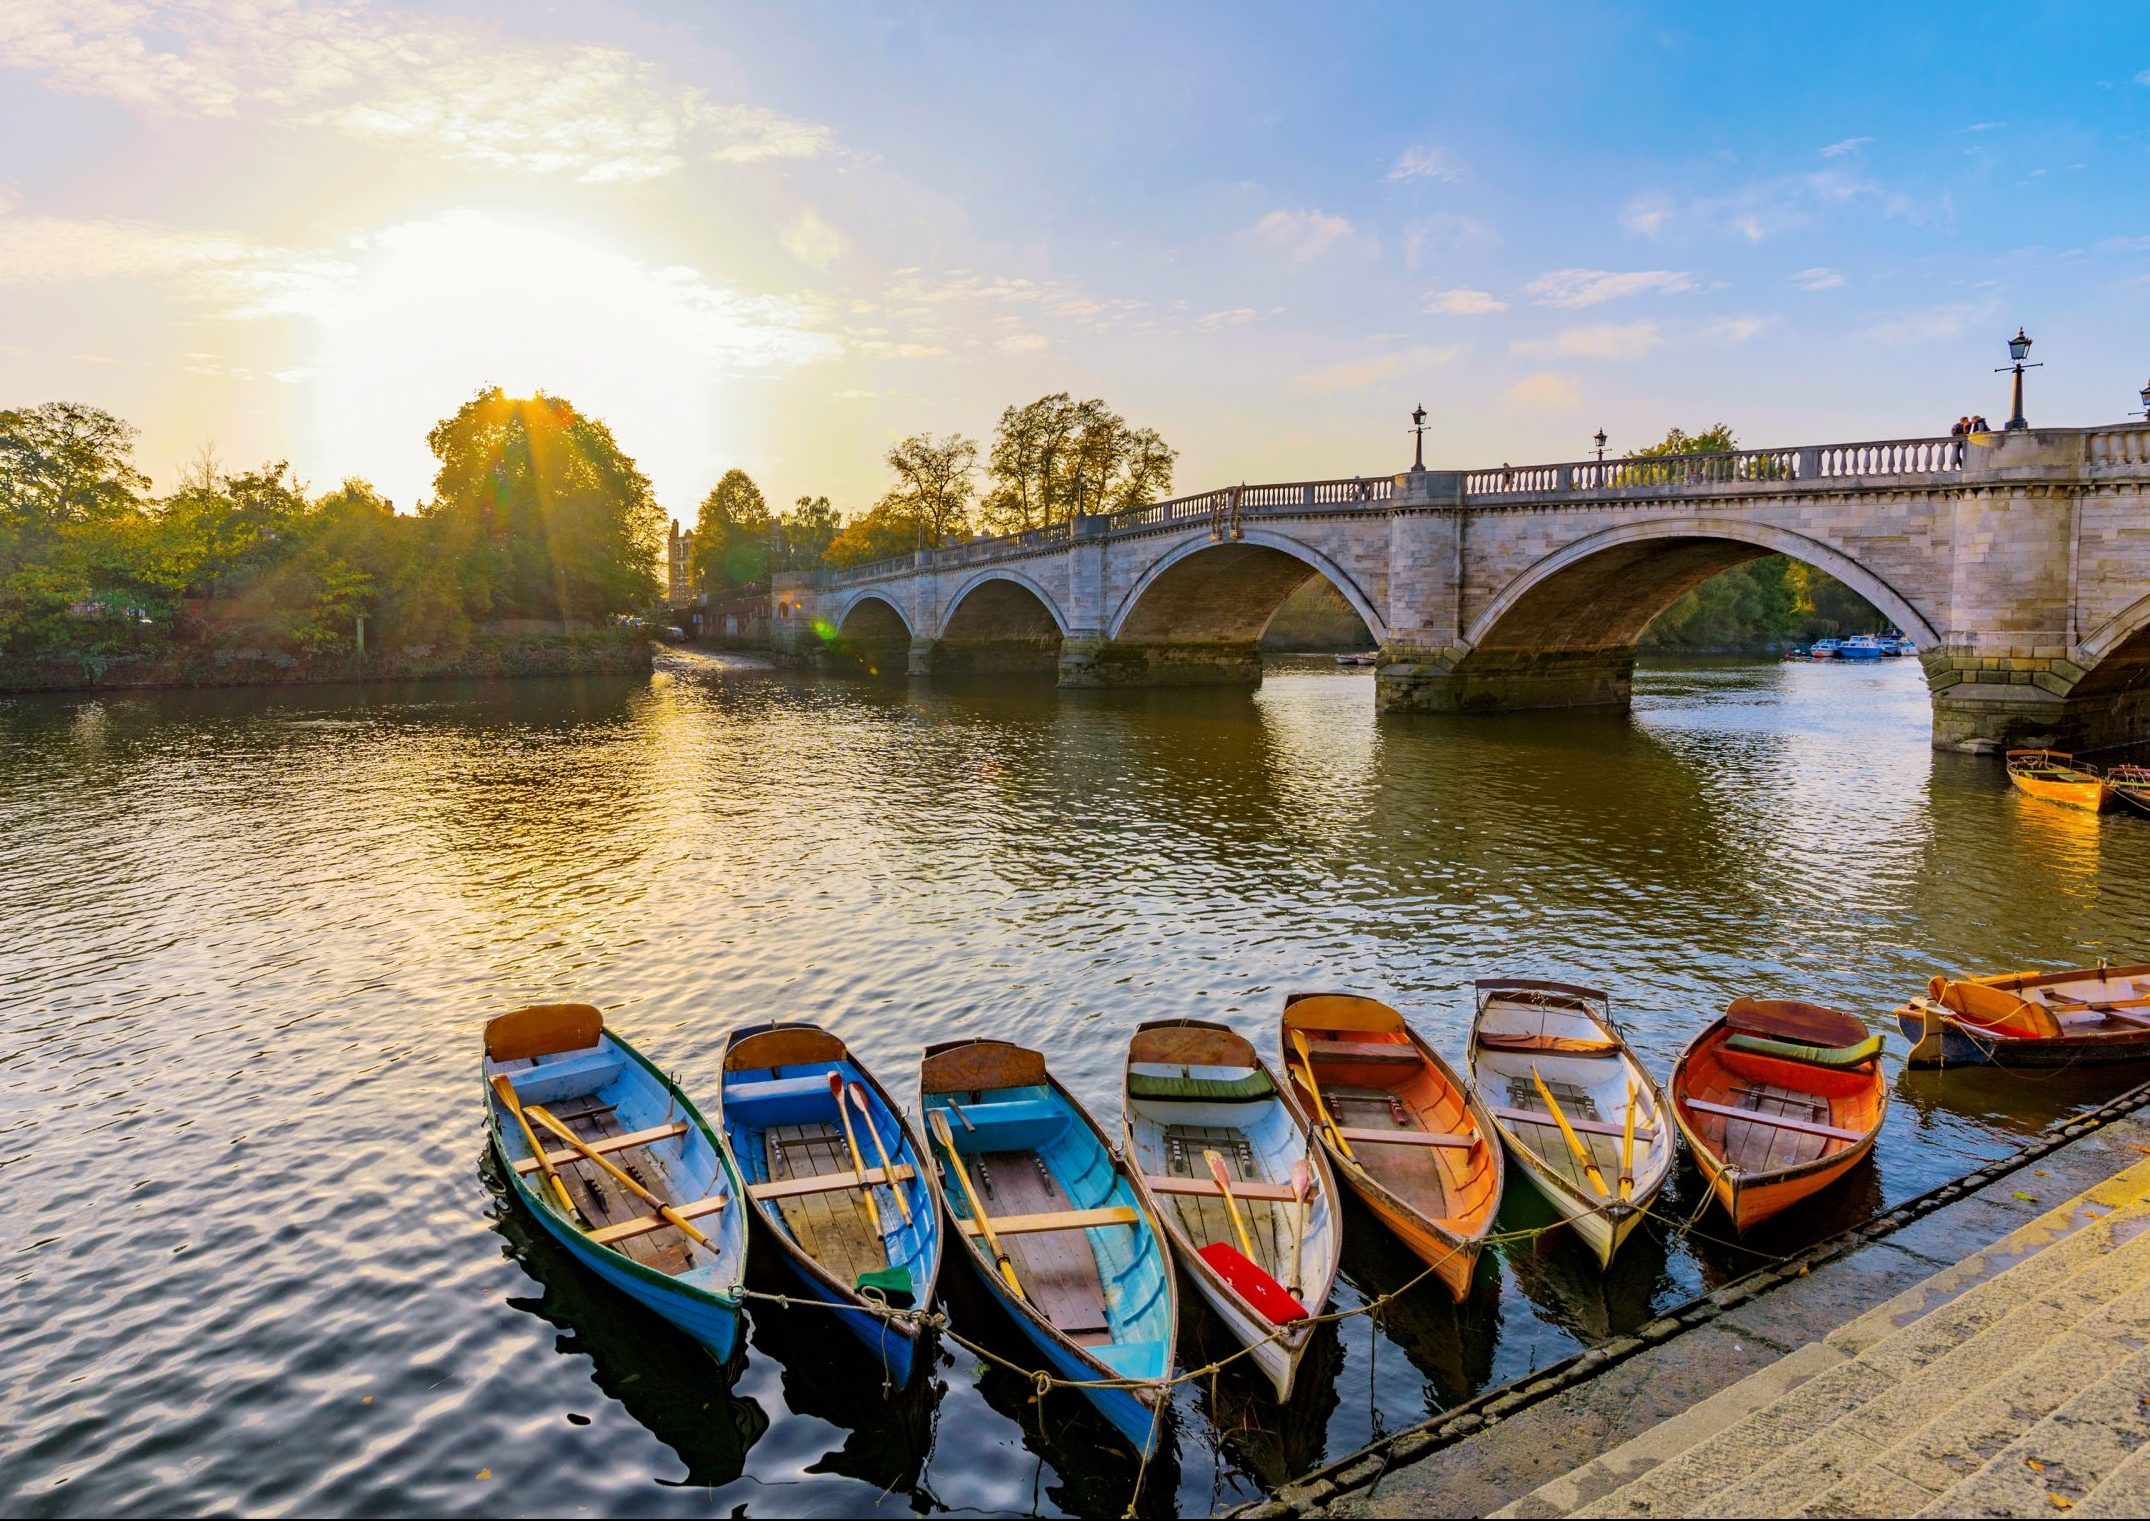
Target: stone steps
(1915, 1400)
(2077, 1448)
(1928, 1367)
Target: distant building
(679, 566)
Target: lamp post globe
(1418, 429)
(2146, 401)
(1599, 438)
(2019, 347)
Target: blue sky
(779, 237)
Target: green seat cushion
(1819, 1056)
(1154, 1085)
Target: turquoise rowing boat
(1065, 1241)
(836, 1181)
(630, 1178)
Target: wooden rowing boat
(1192, 1089)
(644, 1196)
(857, 1237)
(2031, 1019)
(1401, 1128)
(1580, 1115)
(1778, 1100)
(1068, 1244)
(2058, 777)
(2130, 785)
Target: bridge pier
(1415, 679)
(985, 657)
(1091, 662)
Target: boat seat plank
(1360, 1136)
(1057, 1266)
(1205, 1187)
(1056, 1220)
(1365, 1051)
(1579, 1125)
(1778, 1121)
(644, 1225)
(1557, 1045)
(827, 1183)
(608, 1145)
(604, 1202)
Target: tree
(935, 483)
(807, 531)
(731, 537)
(885, 531)
(70, 517)
(1057, 456)
(547, 515)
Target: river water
(255, 1258)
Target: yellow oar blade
(1582, 1153)
(1313, 1088)
(514, 1106)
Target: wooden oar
(1627, 1148)
(1575, 1145)
(506, 1092)
(1224, 1182)
(937, 1122)
(1313, 1088)
(858, 1160)
(856, 1092)
(665, 1212)
(1302, 1184)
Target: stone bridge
(2018, 562)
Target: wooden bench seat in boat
(609, 1144)
(1554, 1045)
(1006, 1125)
(1362, 1137)
(570, 1075)
(1576, 1123)
(1365, 1051)
(642, 1225)
(827, 1182)
(1775, 1121)
(1268, 1193)
(1056, 1220)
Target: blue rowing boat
(1067, 1243)
(643, 1194)
(836, 1181)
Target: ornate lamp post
(2018, 346)
(1418, 427)
(2146, 402)
(1600, 440)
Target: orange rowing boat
(1778, 1100)
(1400, 1127)
(2058, 777)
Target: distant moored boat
(2031, 1019)
(2058, 777)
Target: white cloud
(1304, 236)
(1604, 341)
(1848, 145)
(1588, 287)
(1546, 389)
(1441, 233)
(1023, 343)
(1928, 324)
(1462, 303)
(1237, 316)
(1767, 208)
(244, 277)
(1355, 374)
(2143, 78)
(1430, 162)
(1646, 215)
(595, 114)
(1820, 277)
(1730, 331)
(812, 241)
(2125, 245)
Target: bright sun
(437, 309)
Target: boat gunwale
(921, 1295)
(1152, 1392)
(733, 1297)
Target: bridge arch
(871, 635)
(1206, 591)
(1621, 578)
(1000, 622)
